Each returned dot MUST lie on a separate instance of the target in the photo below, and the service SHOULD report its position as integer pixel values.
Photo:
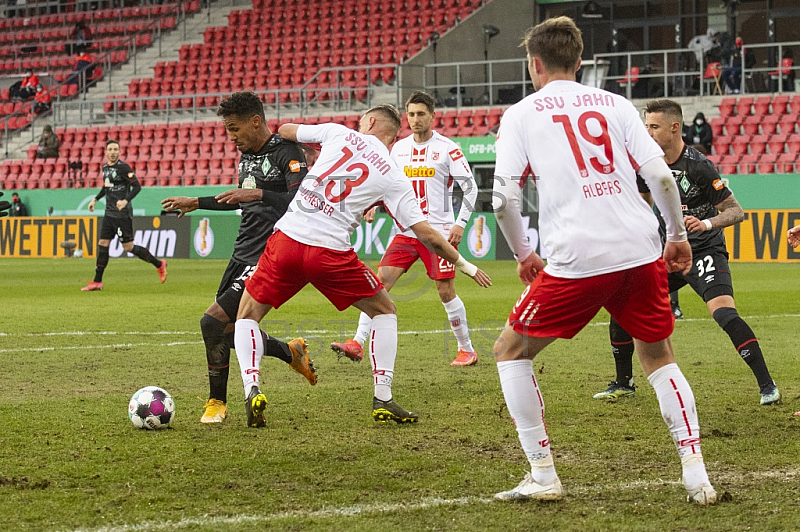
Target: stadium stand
(182, 154)
(309, 60)
(757, 135)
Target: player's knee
(211, 327)
(724, 315)
(127, 246)
(617, 334)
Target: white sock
(457, 314)
(382, 353)
(678, 409)
(249, 346)
(526, 406)
(364, 325)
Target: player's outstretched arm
(182, 204)
(429, 235)
(794, 236)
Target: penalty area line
(721, 479)
(344, 511)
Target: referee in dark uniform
(708, 207)
(120, 186)
(271, 170)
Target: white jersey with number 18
(582, 146)
(352, 173)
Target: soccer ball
(151, 408)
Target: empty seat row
(785, 163)
(756, 144)
(759, 106)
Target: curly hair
(243, 104)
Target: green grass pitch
(71, 460)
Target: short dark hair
(421, 97)
(14, 194)
(112, 141)
(667, 107)
(242, 104)
(388, 111)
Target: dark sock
(218, 356)
(622, 348)
(745, 342)
(276, 348)
(145, 255)
(102, 262)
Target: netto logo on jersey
(422, 171)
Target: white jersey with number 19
(352, 173)
(582, 146)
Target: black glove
(4, 207)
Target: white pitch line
(730, 478)
(326, 331)
(307, 334)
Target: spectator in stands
(702, 44)
(42, 101)
(84, 63)
(17, 207)
(722, 48)
(48, 144)
(25, 89)
(698, 134)
(732, 68)
(780, 74)
(82, 36)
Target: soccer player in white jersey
(583, 146)
(311, 244)
(432, 163)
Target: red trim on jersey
(528, 172)
(633, 162)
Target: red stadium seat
(779, 104)
(729, 164)
(777, 143)
(733, 125)
(751, 124)
(758, 144)
(786, 163)
(726, 107)
(766, 163)
(769, 124)
(743, 106)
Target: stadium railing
(671, 69)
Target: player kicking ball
(432, 163)
(311, 244)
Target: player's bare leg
(723, 310)
(514, 354)
(457, 316)
(678, 409)
(353, 348)
(382, 349)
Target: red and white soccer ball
(151, 408)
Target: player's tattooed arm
(730, 213)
